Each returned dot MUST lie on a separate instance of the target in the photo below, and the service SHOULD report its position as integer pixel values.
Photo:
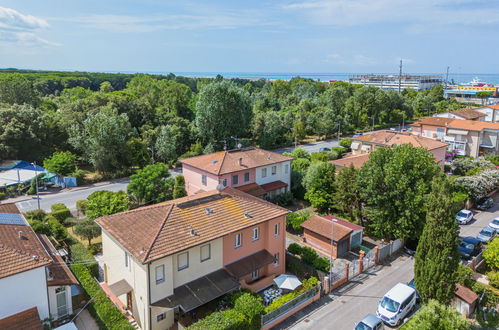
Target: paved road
(481, 219)
(355, 300)
(311, 147)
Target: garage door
(356, 240)
(342, 247)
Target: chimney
(21, 235)
(240, 161)
(192, 231)
(208, 210)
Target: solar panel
(12, 219)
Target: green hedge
(79, 254)
(107, 315)
(307, 284)
(60, 212)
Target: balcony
(259, 284)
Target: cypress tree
(437, 258)
(179, 187)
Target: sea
(490, 78)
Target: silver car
(486, 234)
(464, 216)
(494, 224)
(370, 322)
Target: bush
(494, 159)
(294, 248)
(322, 263)
(226, 320)
(319, 156)
(95, 248)
(346, 143)
(40, 227)
(309, 256)
(490, 254)
(104, 311)
(437, 316)
(284, 199)
(79, 254)
(80, 177)
(333, 155)
(62, 163)
(60, 212)
(3, 195)
(251, 307)
(81, 206)
(339, 150)
(58, 231)
(306, 285)
(464, 276)
(493, 279)
(295, 219)
(35, 215)
(447, 168)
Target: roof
(224, 162)
(399, 292)
(470, 125)
(465, 294)
(271, 186)
(468, 113)
(344, 223)
(250, 263)
(253, 189)
(200, 291)
(9, 208)
(20, 248)
(390, 138)
(59, 272)
(434, 121)
(371, 320)
(494, 106)
(356, 160)
(26, 320)
(155, 231)
(322, 226)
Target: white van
(396, 304)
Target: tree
(437, 316)
(491, 254)
(271, 129)
(17, 89)
(222, 110)
(167, 143)
(102, 139)
(437, 258)
(104, 202)
(319, 182)
(347, 196)
(62, 163)
(393, 185)
(346, 142)
(87, 229)
(179, 187)
(136, 153)
(150, 185)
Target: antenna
(447, 77)
(239, 145)
(225, 144)
(400, 75)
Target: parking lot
(480, 220)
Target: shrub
(2, 195)
(62, 163)
(284, 199)
(447, 168)
(79, 254)
(104, 311)
(295, 219)
(251, 307)
(437, 316)
(319, 156)
(339, 150)
(40, 227)
(464, 276)
(58, 231)
(95, 248)
(80, 177)
(493, 279)
(81, 206)
(295, 248)
(60, 212)
(494, 159)
(322, 263)
(346, 143)
(308, 255)
(35, 215)
(306, 285)
(226, 320)
(310, 282)
(491, 252)
(332, 155)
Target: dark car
(411, 246)
(484, 203)
(469, 247)
(357, 134)
(324, 149)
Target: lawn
(82, 240)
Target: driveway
(351, 302)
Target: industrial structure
(397, 82)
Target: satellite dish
(220, 187)
(239, 146)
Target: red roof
(465, 294)
(345, 223)
(322, 226)
(25, 320)
(271, 186)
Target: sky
(323, 36)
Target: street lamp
(36, 183)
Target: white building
(32, 275)
(491, 112)
(393, 81)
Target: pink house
(256, 171)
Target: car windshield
(389, 305)
(495, 222)
(467, 245)
(486, 233)
(462, 214)
(362, 326)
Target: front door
(129, 301)
(62, 307)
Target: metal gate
(384, 252)
(368, 260)
(356, 240)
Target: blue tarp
(70, 181)
(11, 164)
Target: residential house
(318, 231)
(465, 137)
(491, 112)
(33, 277)
(463, 114)
(363, 145)
(256, 171)
(175, 256)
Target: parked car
(484, 203)
(411, 246)
(486, 235)
(469, 247)
(396, 304)
(370, 322)
(357, 134)
(494, 224)
(464, 216)
(324, 149)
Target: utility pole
(400, 75)
(447, 78)
(331, 255)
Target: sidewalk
(85, 321)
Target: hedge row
(107, 315)
(60, 212)
(79, 254)
(309, 256)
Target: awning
(271, 186)
(366, 147)
(200, 291)
(457, 132)
(250, 263)
(487, 146)
(354, 145)
(121, 287)
(253, 189)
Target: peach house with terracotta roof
(35, 281)
(465, 137)
(256, 171)
(168, 259)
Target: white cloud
(363, 12)
(20, 29)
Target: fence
(389, 249)
(290, 305)
(476, 262)
(354, 269)
(369, 260)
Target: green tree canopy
(104, 202)
(62, 163)
(437, 258)
(491, 254)
(150, 185)
(17, 89)
(347, 197)
(87, 229)
(437, 316)
(394, 182)
(179, 187)
(319, 182)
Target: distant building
(468, 94)
(391, 81)
(491, 112)
(256, 171)
(464, 114)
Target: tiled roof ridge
(138, 209)
(25, 254)
(149, 249)
(222, 162)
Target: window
(274, 170)
(235, 179)
(255, 274)
(246, 177)
(224, 182)
(238, 240)
(127, 261)
(205, 252)
(160, 274)
(276, 230)
(276, 259)
(160, 317)
(183, 260)
(264, 172)
(256, 233)
(203, 179)
(286, 169)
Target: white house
(464, 114)
(491, 112)
(32, 275)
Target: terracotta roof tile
(271, 186)
(356, 160)
(465, 294)
(389, 138)
(158, 230)
(345, 223)
(60, 272)
(468, 113)
(253, 189)
(224, 162)
(494, 106)
(9, 208)
(322, 226)
(434, 121)
(25, 320)
(471, 125)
